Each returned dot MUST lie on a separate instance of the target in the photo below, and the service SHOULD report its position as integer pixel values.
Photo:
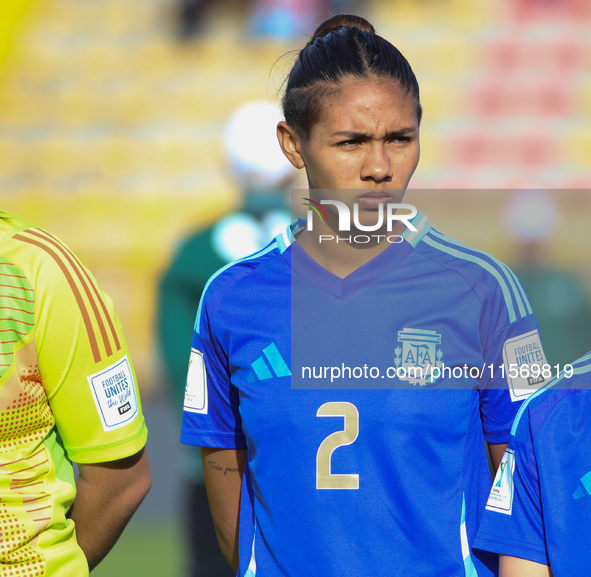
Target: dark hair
(344, 45)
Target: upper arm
(501, 391)
(516, 567)
(211, 416)
(83, 358)
(130, 475)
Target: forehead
(363, 104)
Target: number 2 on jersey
(324, 478)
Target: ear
(290, 142)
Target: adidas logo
(274, 360)
(586, 487)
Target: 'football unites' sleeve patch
(196, 388)
(113, 390)
(524, 360)
(501, 494)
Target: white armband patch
(113, 391)
(525, 364)
(501, 494)
(196, 388)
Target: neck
(338, 252)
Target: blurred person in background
(67, 392)
(264, 174)
(558, 297)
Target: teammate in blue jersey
(538, 515)
(368, 474)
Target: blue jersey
(540, 504)
(365, 478)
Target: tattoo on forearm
(213, 466)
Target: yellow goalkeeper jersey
(68, 392)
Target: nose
(376, 165)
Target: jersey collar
(307, 268)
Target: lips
(374, 198)
(376, 194)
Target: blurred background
(112, 122)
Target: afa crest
(418, 356)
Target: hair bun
(339, 21)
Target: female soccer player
(331, 445)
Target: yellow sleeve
(83, 358)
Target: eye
(348, 143)
(398, 139)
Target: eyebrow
(353, 135)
